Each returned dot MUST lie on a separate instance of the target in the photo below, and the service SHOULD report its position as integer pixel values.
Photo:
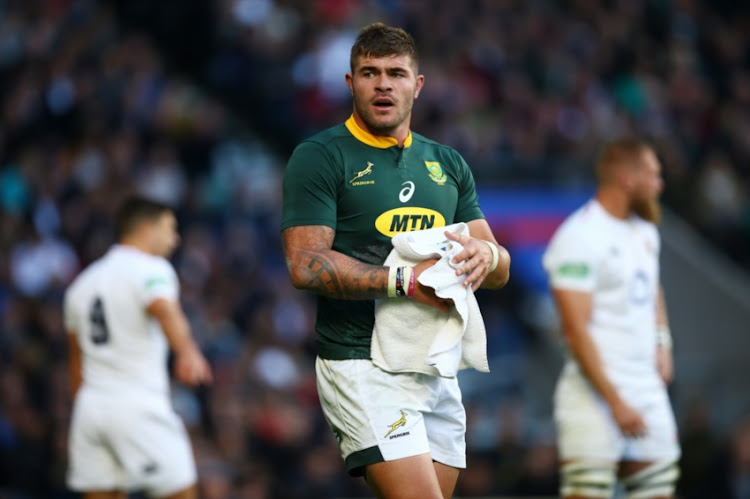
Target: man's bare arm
(480, 229)
(315, 267)
(664, 357)
(74, 363)
(190, 366)
(575, 311)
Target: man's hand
(425, 294)
(475, 260)
(191, 367)
(628, 419)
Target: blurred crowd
(198, 104)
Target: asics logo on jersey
(397, 424)
(407, 192)
(362, 173)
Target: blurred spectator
(704, 463)
(740, 459)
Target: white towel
(412, 337)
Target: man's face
(164, 236)
(647, 186)
(384, 89)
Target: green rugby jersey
(368, 189)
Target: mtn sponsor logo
(407, 219)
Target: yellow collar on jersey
(373, 140)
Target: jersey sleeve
(309, 188)
(570, 262)
(158, 281)
(468, 202)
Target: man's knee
(658, 479)
(587, 479)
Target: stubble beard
(376, 125)
(648, 209)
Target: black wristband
(400, 291)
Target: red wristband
(410, 291)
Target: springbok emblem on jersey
(397, 424)
(436, 172)
(364, 172)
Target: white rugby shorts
(128, 443)
(587, 430)
(380, 416)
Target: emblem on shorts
(436, 173)
(362, 173)
(150, 468)
(397, 424)
(338, 435)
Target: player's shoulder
(131, 264)
(419, 140)
(322, 146)
(440, 154)
(644, 224)
(646, 228)
(149, 263)
(585, 220)
(82, 283)
(88, 272)
(326, 137)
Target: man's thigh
(584, 424)
(378, 416)
(129, 443)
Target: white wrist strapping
(663, 336)
(495, 255)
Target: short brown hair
(379, 40)
(136, 209)
(624, 151)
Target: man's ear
(144, 230)
(419, 85)
(625, 178)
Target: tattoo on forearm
(369, 285)
(328, 272)
(328, 277)
(323, 277)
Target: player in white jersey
(612, 411)
(123, 315)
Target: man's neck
(614, 202)
(400, 134)
(135, 244)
